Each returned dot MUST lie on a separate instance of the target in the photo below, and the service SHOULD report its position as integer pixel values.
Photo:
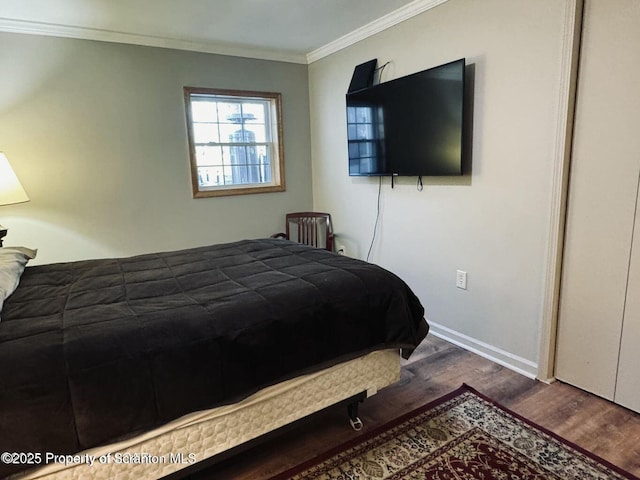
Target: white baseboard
(513, 362)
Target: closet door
(602, 206)
(627, 391)
(628, 383)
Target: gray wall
(97, 134)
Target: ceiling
(298, 31)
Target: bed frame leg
(354, 420)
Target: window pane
(365, 132)
(206, 156)
(264, 163)
(226, 155)
(366, 149)
(233, 133)
(248, 135)
(228, 176)
(255, 133)
(203, 111)
(229, 112)
(263, 154)
(210, 176)
(238, 156)
(351, 114)
(363, 115)
(354, 151)
(205, 132)
(254, 112)
(366, 166)
(246, 174)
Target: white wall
(492, 223)
(97, 134)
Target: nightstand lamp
(11, 190)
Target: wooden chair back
(310, 228)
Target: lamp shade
(11, 190)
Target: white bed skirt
(200, 435)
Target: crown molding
(400, 15)
(66, 31)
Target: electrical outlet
(461, 279)
(342, 250)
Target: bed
(134, 355)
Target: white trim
(506, 359)
(400, 15)
(66, 31)
(559, 186)
(58, 30)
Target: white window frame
(273, 142)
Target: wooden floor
(436, 368)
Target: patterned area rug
(461, 436)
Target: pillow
(12, 263)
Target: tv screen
(409, 126)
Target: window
(235, 142)
(365, 132)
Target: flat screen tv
(411, 126)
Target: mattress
(200, 435)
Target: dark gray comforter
(98, 350)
